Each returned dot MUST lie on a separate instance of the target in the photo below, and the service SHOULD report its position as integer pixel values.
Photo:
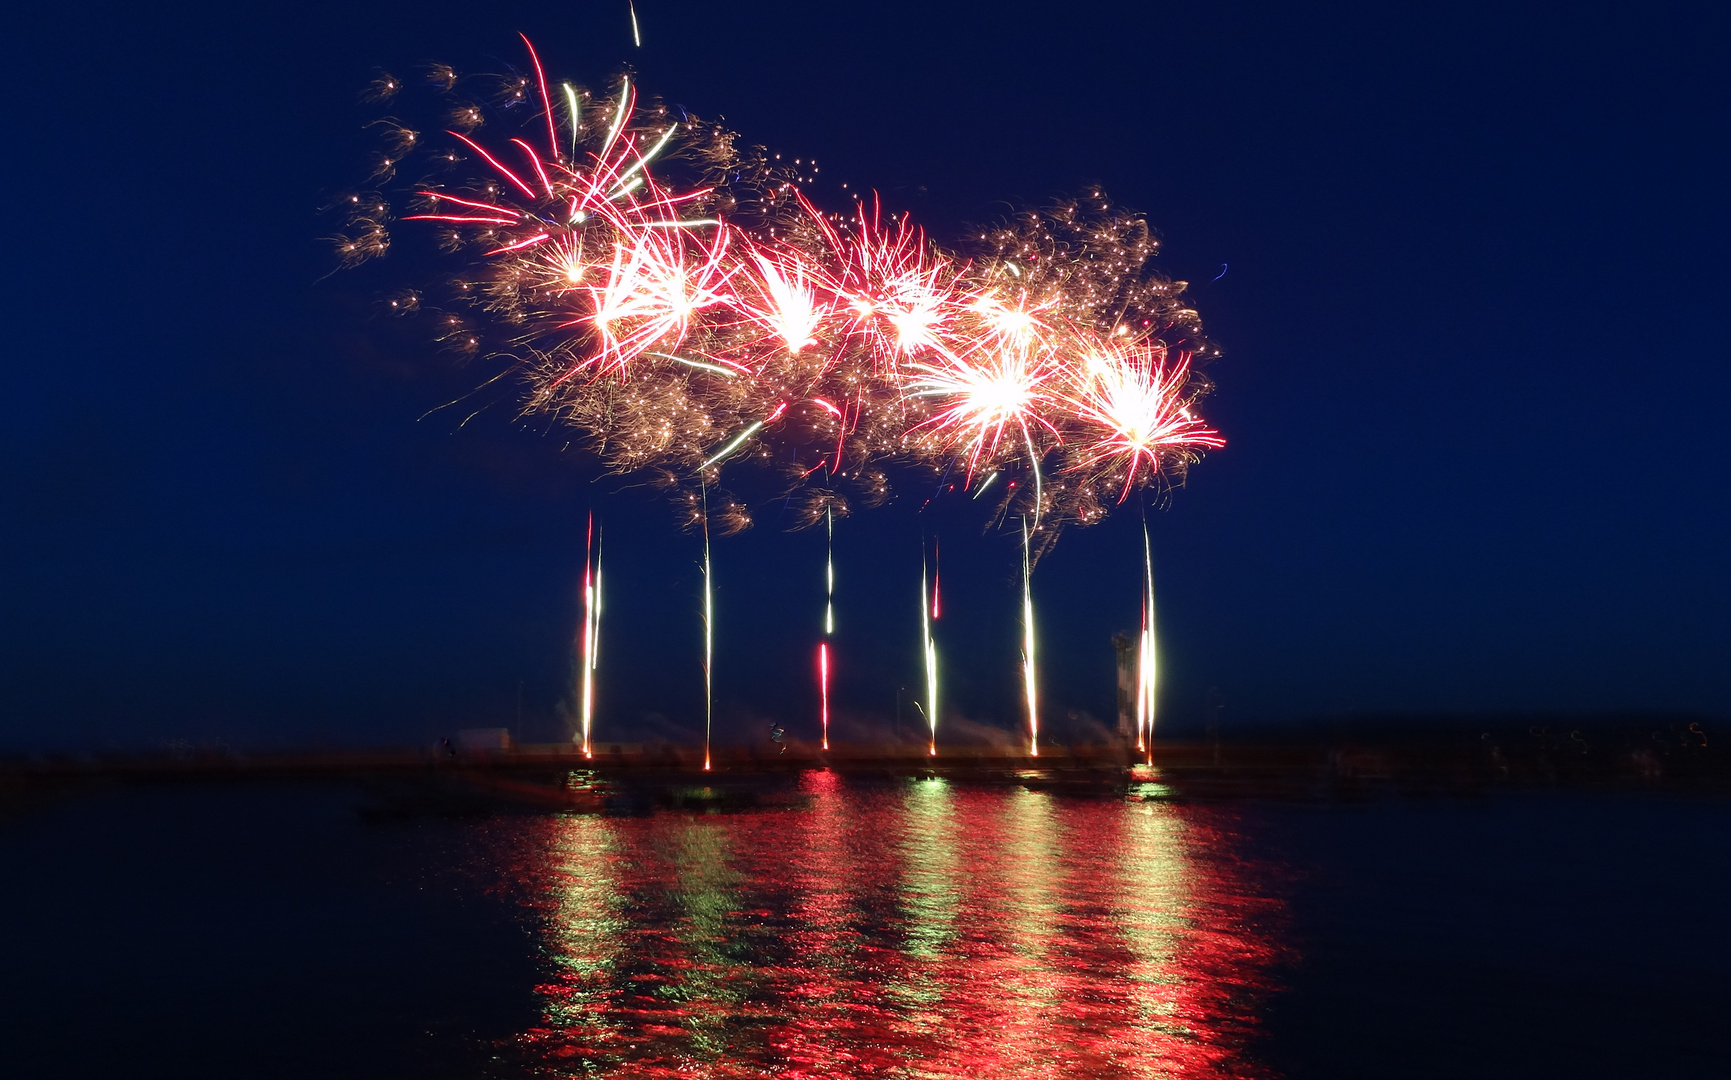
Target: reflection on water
(918, 930)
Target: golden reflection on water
(923, 929)
(584, 929)
(706, 894)
(930, 895)
(1152, 912)
(1019, 887)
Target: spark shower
(686, 308)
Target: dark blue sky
(1475, 381)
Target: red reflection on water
(915, 930)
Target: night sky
(1475, 379)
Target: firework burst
(686, 307)
(1136, 417)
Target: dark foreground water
(909, 928)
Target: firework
(823, 689)
(828, 626)
(589, 658)
(1145, 657)
(982, 397)
(929, 652)
(686, 307)
(1030, 687)
(708, 639)
(1136, 413)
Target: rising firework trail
(1146, 670)
(1029, 686)
(823, 689)
(929, 652)
(591, 645)
(708, 638)
(828, 625)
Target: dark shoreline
(1320, 762)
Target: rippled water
(917, 930)
(862, 927)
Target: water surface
(914, 929)
(865, 928)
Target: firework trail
(708, 639)
(1029, 685)
(591, 628)
(1145, 656)
(929, 651)
(828, 625)
(823, 689)
(684, 306)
